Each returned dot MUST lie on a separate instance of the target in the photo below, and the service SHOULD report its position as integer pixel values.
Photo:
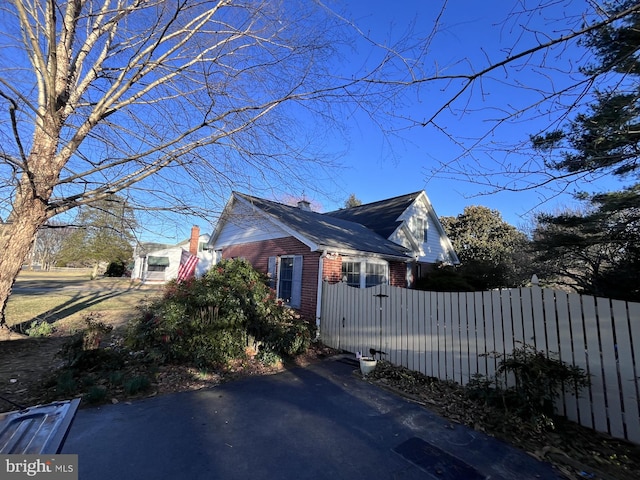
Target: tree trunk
(16, 239)
(94, 272)
(30, 208)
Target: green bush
(210, 320)
(40, 328)
(137, 384)
(539, 381)
(444, 278)
(95, 394)
(66, 383)
(116, 269)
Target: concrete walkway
(320, 422)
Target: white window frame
(419, 227)
(363, 262)
(274, 269)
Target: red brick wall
(398, 274)
(332, 270)
(258, 253)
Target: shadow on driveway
(307, 423)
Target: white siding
(174, 254)
(242, 225)
(434, 249)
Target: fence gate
(353, 318)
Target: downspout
(319, 294)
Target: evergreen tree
(491, 252)
(595, 250)
(105, 234)
(352, 201)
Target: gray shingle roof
(381, 216)
(328, 231)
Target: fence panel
(626, 370)
(447, 335)
(565, 341)
(433, 324)
(472, 329)
(551, 333)
(481, 344)
(464, 339)
(580, 356)
(609, 367)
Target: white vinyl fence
(443, 335)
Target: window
(365, 273)
(157, 264)
(418, 227)
(351, 273)
(285, 276)
(376, 274)
(156, 268)
(285, 279)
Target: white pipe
(319, 294)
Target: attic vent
(304, 205)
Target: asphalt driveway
(320, 422)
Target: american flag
(187, 266)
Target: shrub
(95, 394)
(40, 328)
(95, 331)
(137, 384)
(116, 269)
(66, 383)
(539, 381)
(210, 320)
(444, 278)
(78, 347)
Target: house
(392, 241)
(158, 263)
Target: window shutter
(271, 271)
(296, 287)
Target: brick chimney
(193, 241)
(304, 205)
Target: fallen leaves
(576, 451)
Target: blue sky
(470, 35)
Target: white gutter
(319, 294)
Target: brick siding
(398, 274)
(258, 253)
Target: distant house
(158, 263)
(392, 241)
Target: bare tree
(49, 241)
(149, 97)
(164, 101)
(547, 74)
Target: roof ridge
(385, 200)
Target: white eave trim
(360, 253)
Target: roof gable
(320, 231)
(392, 219)
(380, 228)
